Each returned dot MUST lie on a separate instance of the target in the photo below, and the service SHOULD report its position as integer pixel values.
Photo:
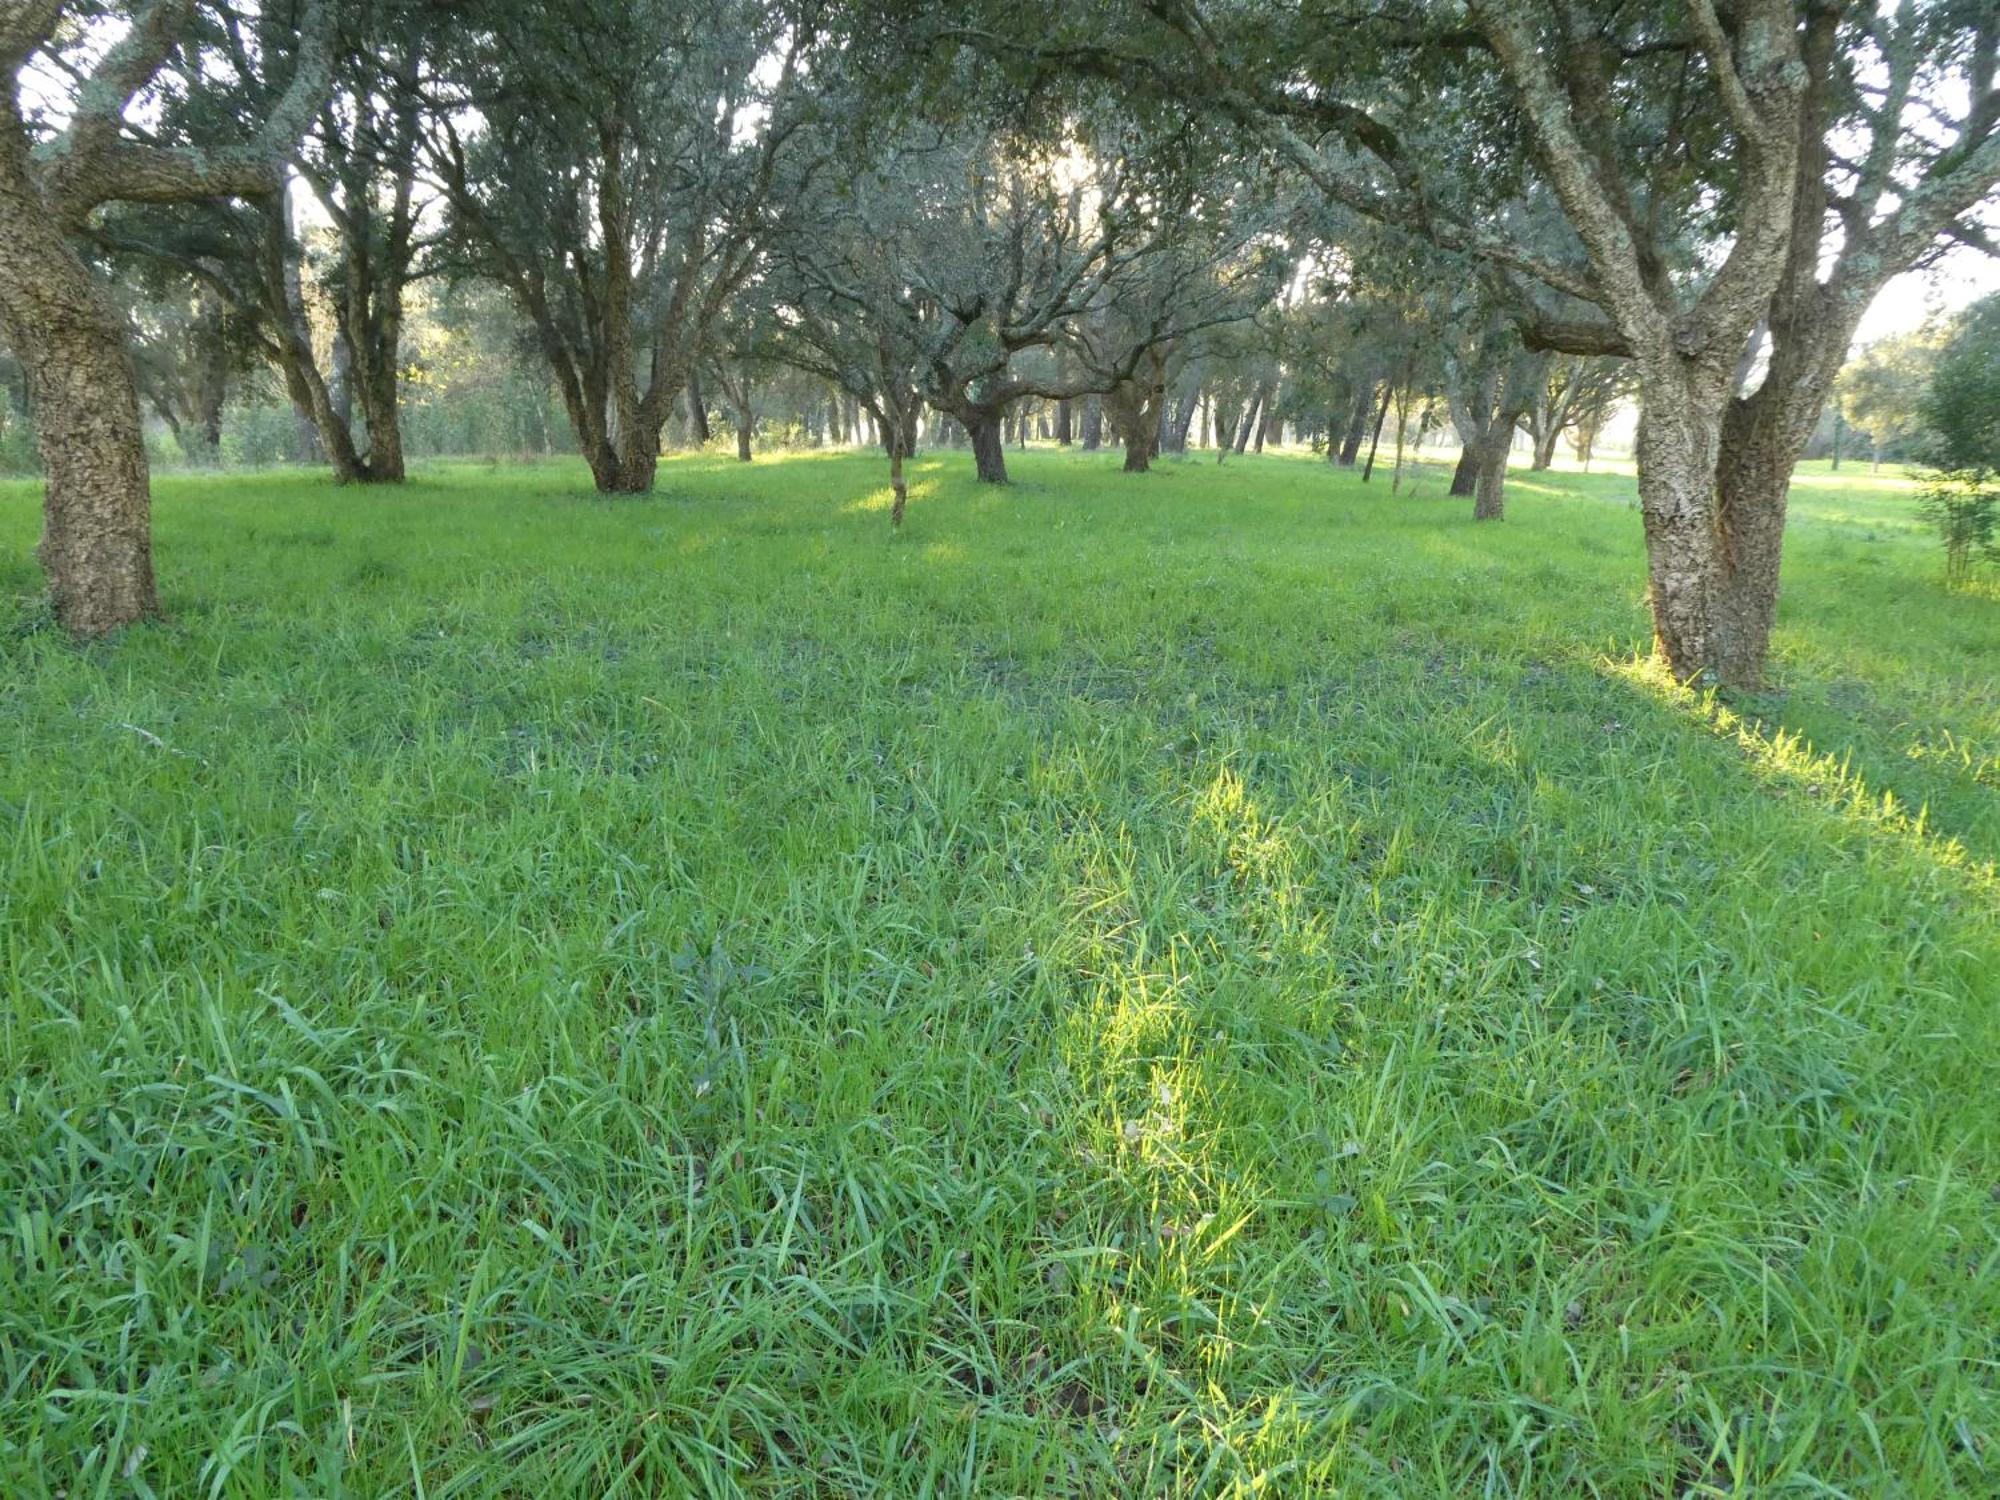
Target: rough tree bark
(989, 453)
(1706, 593)
(97, 503)
(96, 543)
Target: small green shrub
(1964, 506)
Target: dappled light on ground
(1212, 980)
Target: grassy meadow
(1219, 982)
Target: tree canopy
(954, 218)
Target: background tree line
(610, 226)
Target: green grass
(1217, 982)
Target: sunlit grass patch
(1224, 981)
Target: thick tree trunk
(382, 417)
(989, 453)
(97, 501)
(1063, 425)
(637, 468)
(1490, 474)
(1093, 424)
(1465, 478)
(1545, 447)
(743, 438)
(211, 423)
(1357, 426)
(1712, 582)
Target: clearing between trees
(1113, 989)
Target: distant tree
(1578, 389)
(1491, 384)
(1960, 404)
(1882, 391)
(1710, 170)
(186, 351)
(619, 166)
(1960, 408)
(961, 267)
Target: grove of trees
(1158, 222)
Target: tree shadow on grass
(1503, 1030)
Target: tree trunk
(314, 403)
(637, 469)
(743, 438)
(1250, 421)
(989, 453)
(902, 492)
(376, 380)
(340, 379)
(1465, 478)
(210, 420)
(1490, 474)
(1712, 568)
(1063, 422)
(1545, 447)
(1402, 433)
(1381, 416)
(1093, 424)
(97, 500)
(627, 466)
(1357, 426)
(697, 411)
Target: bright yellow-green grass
(1214, 982)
